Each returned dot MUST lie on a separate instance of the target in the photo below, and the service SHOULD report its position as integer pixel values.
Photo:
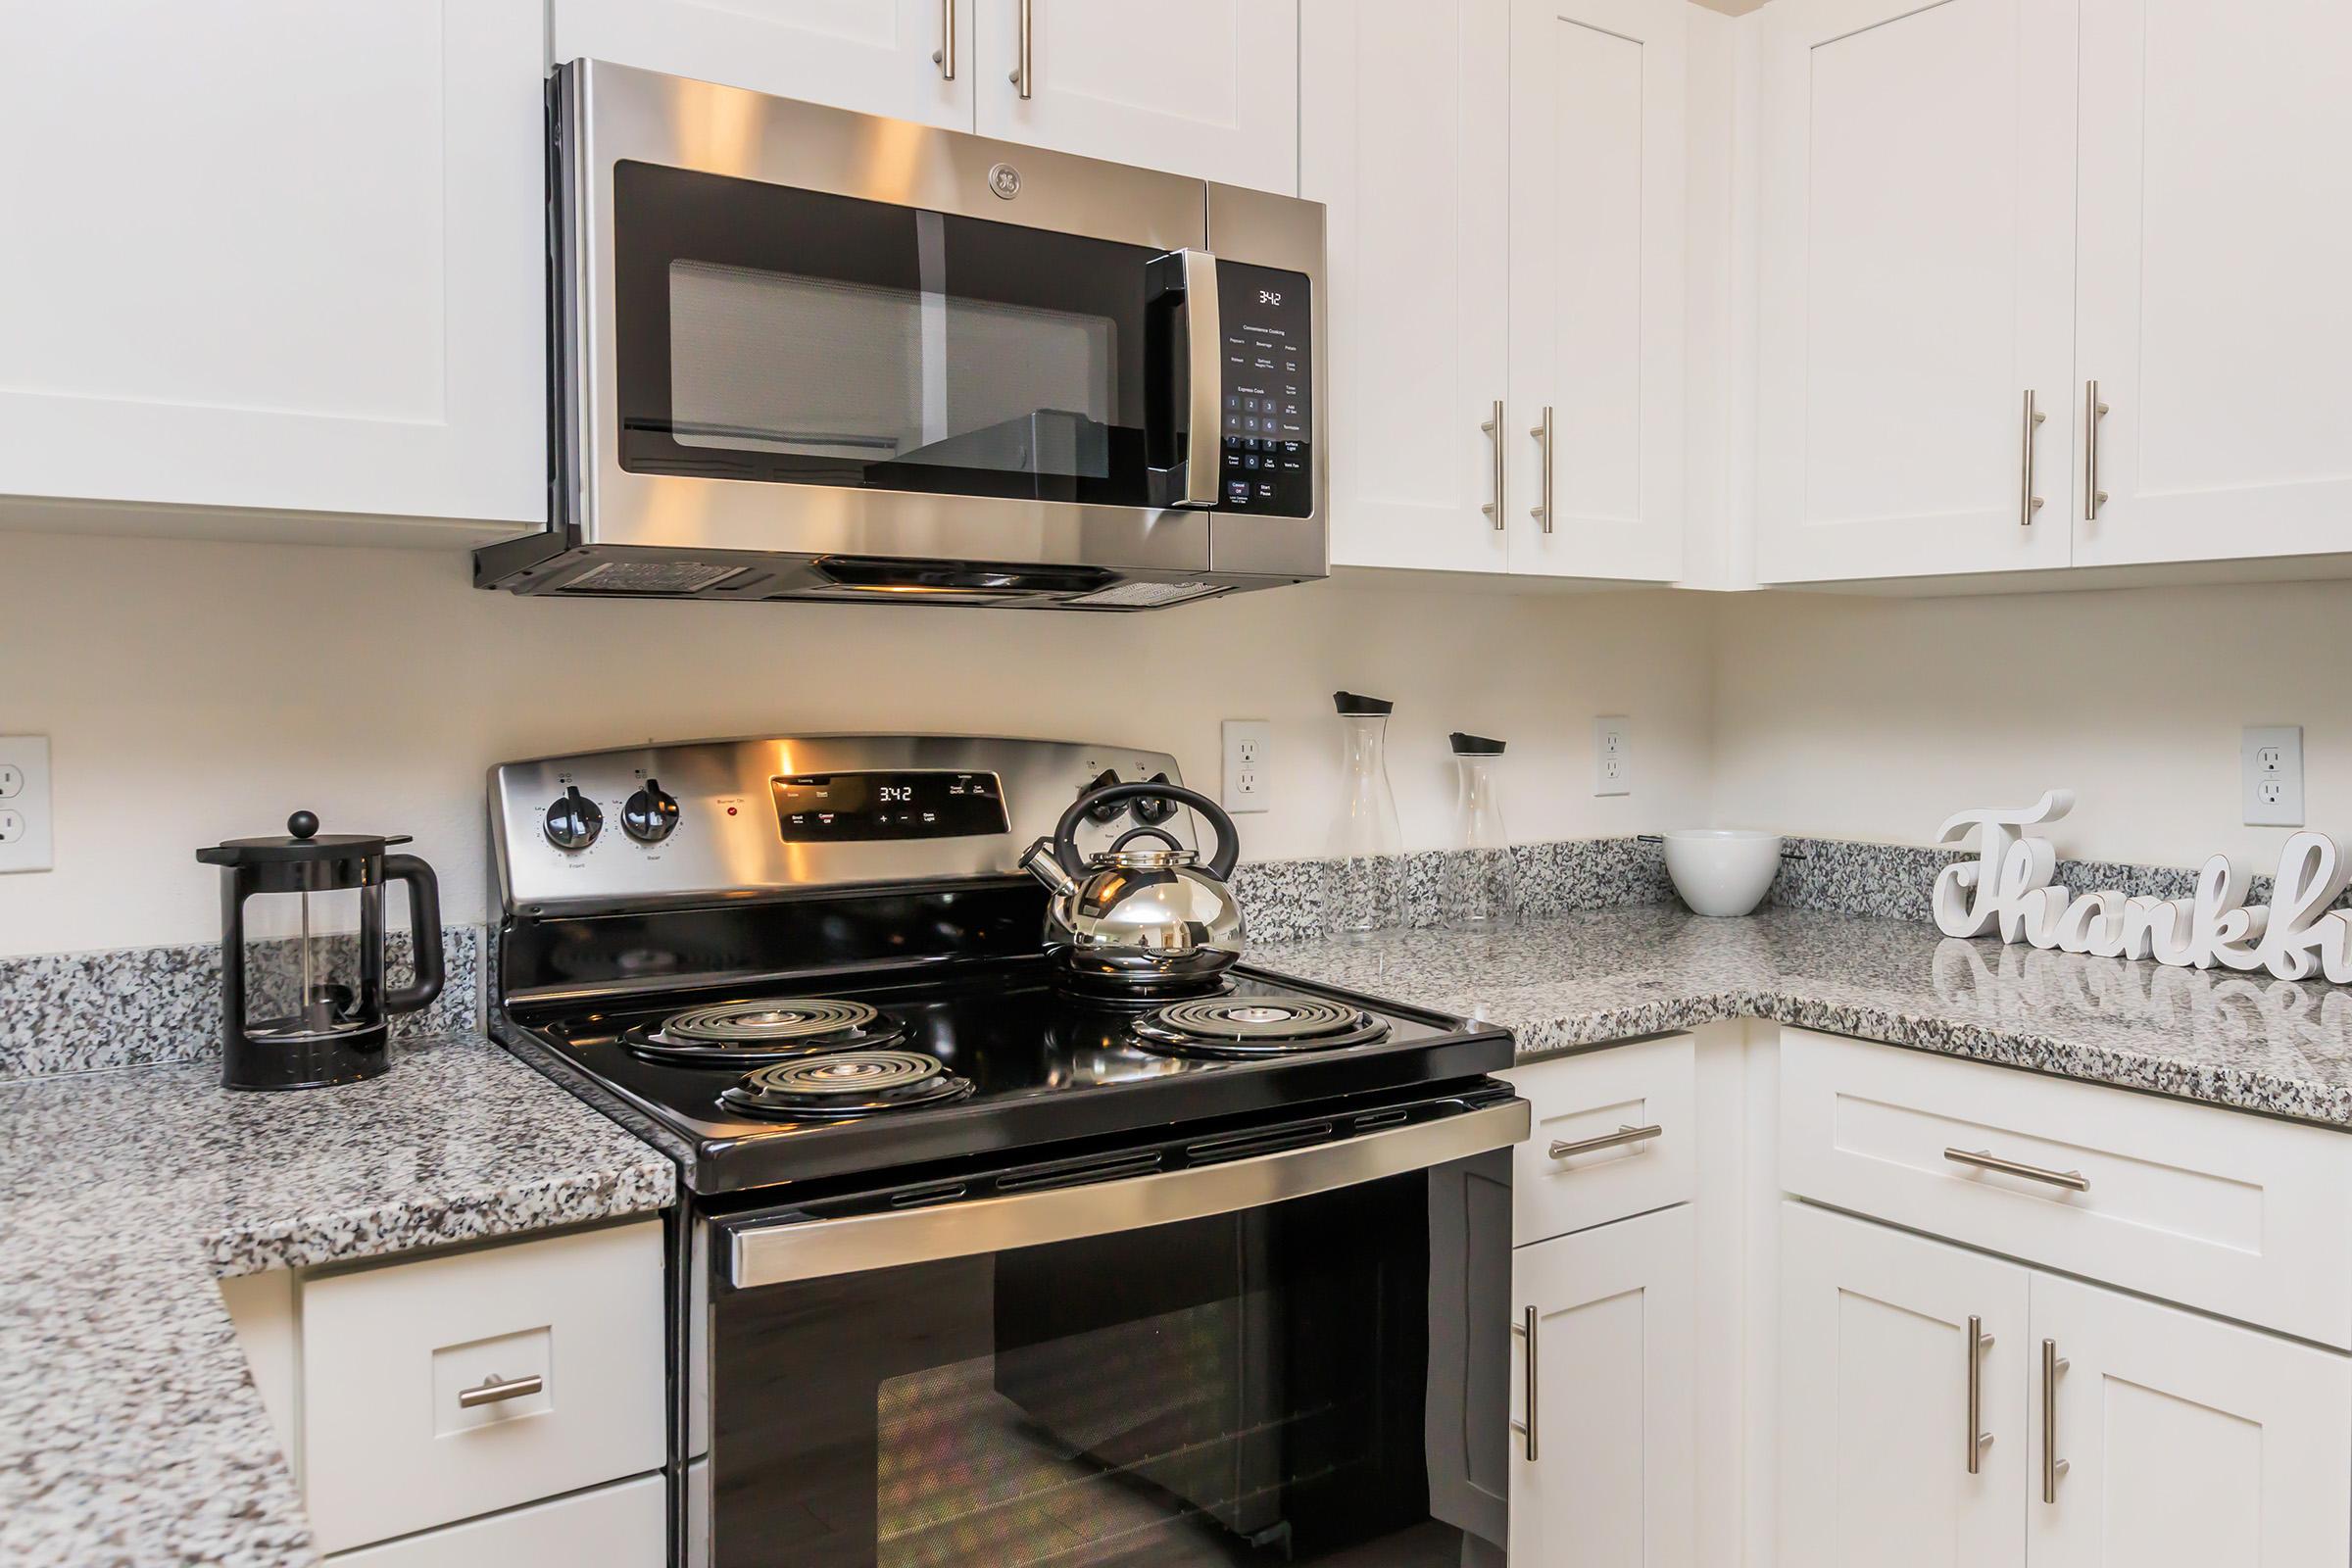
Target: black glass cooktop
(1043, 1068)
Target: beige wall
(194, 691)
(1877, 717)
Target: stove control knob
(1105, 813)
(650, 814)
(574, 820)
(1152, 808)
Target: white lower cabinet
(620, 1526)
(1607, 1394)
(2185, 1442)
(2180, 1439)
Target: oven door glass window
(779, 336)
(1322, 1381)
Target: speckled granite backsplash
(144, 1007)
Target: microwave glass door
(1322, 1381)
(780, 335)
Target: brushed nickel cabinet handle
(2028, 503)
(1525, 1328)
(492, 1389)
(2074, 1181)
(1503, 465)
(2052, 1467)
(1541, 510)
(1616, 1139)
(1024, 72)
(944, 57)
(1979, 1440)
(2093, 497)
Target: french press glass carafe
(303, 1001)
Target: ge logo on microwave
(1004, 180)
(1267, 296)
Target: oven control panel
(1268, 456)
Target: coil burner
(845, 1082)
(739, 1034)
(1249, 1027)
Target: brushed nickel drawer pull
(2028, 503)
(944, 57)
(2074, 1181)
(2052, 1467)
(1525, 1328)
(1502, 463)
(1541, 510)
(1621, 1137)
(2093, 411)
(1979, 1440)
(1023, 74)
(492, 1389)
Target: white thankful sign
(2007, 889)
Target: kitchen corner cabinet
(2215, 236)
(277, 256)
(2180, 1442)
(1505, 185)
(1606, 1352)
(1916, 260)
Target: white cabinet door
(1597, 154)
(1201, 87)
(2216, 241)
(879, 57)
(1403, 119)
(2186, 1443)
(1917, 260)
(1614, 1477)
(277, 256)
(1876, 1369)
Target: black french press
(303, 1002)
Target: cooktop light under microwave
(807, 354)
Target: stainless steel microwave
(806, 354)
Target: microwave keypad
(1268, 459)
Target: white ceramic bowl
(1722, 870)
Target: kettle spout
(1041, 862)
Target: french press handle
(424, 932)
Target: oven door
(1295, 1355)
(797, 331)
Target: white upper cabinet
(1201, 87)
(1916, 285)
(1418, 280)
(2213, 313)
(906, 58)
(277, 256)
(1597, 168)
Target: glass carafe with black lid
(303, 998)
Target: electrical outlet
(25, 803)
(2271, 768)
(1248, 763)
(1613, 755)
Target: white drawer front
(1601, 1095)
(389, 1446)
(2239, 1215)
(625, 1525)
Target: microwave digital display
(852, 807)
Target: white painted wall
(195, 690)
(1876, 718)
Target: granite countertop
(130, 1431)
(2248, 1042)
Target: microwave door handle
(775, 1252)
(1183, 292)
(1205, 340)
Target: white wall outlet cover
(1249, 764)
(1612, 754)
(2269, 761)
(25, 808)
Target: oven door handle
(1183, 424)
(780, 1251)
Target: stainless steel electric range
(975, 1271)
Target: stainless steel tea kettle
(1138, 921)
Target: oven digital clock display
(860, 808)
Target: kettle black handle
(1065, 832)
(424, 932)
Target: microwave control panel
(1267, 459)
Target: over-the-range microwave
(801, 353)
